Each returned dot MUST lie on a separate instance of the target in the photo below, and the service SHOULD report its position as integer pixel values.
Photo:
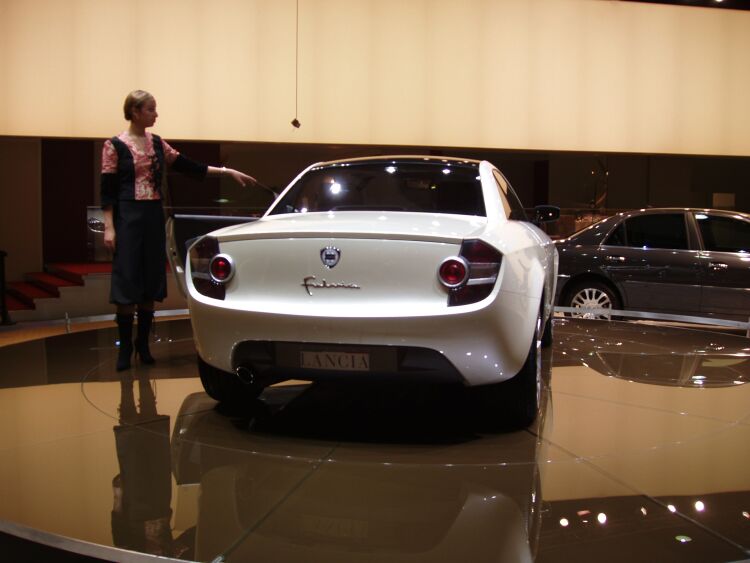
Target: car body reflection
(358, 476)
(655, 355)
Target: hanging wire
(295, 121)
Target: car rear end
(348, 291)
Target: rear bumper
(481, 344)
(270, 362)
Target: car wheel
(592, 295)
(226, 387)
(514, 403)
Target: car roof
(401, 158)
(595, 232)
(647, 210)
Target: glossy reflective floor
(641, 453)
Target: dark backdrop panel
(67, 177)
(627, 181)
(578, 180)
(720, 175)
(670, 180)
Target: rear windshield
(430, 187)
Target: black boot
(125, 332)
(145, 319)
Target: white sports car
(400, 267)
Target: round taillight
(453, 272)
(221, 268)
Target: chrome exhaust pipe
(245, 375)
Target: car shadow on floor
(379, 412)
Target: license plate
(343, 361)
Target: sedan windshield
(414, 186)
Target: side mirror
(545, 214)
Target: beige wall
(21, 206)
(597, 75)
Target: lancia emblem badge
(330, 256)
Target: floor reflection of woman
(142, 512)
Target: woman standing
(132, 167)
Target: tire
(226, 387)
(514, 404)
(592, 295)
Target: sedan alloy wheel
(593, 296)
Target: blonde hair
(135, 100)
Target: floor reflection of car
(332, 473)
(656, 355)
(679, 261)
(399, 268)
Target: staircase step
(26, 293)
(46, 285)
(30, 302)
(76, 272)
(49, 282)
(14, 304)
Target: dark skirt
(139, 263)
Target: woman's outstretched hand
(240, 177)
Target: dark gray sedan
(670, 260)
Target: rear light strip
(483, 272)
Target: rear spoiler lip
(228, 218)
